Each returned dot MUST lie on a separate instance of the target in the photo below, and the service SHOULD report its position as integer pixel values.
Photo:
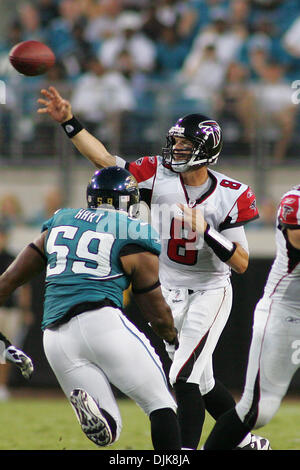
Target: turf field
(50, 424)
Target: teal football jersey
(83, 257)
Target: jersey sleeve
(243, 211)
(289, 211)
(46, 224)
(144, 170)
(238, 235)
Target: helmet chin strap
(187, 165)
(180, 167)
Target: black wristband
(222, 247)
(72, 127)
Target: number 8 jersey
(83, 249)
(226, 203)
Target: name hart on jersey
(88, 216)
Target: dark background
(230, 358)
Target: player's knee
(175, 376)
(257, 415)
(206, 386)
(267, 409)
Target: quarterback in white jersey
(274, 352)
(226, 204)
(195, 264)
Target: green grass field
(50, 424)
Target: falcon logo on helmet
(286, 211)
(203, 133)
(210, 128)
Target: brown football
(31, 58)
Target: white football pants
(200, 319)
(102, 346)
(274, 358)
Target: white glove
(171, 347)
(17, 357)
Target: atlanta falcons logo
(211, 128)
(286, 211)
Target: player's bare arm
(60, 110)
(27, 264)
(294, 237)
(143, 271)
(239, 258)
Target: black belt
(81, 308)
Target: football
(31, 58)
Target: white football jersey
(283, 283)
(186, 261)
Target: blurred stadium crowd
(149, 62)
